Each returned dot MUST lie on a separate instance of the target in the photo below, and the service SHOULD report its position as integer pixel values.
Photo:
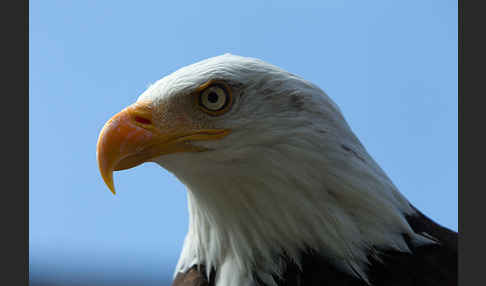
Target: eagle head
(271, 166)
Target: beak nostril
(142, 120)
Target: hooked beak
(131, 138)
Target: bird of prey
(280, 190)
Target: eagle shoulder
(195, 276)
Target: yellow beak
(130, 138)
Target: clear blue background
(390, 65)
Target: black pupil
(213, 97)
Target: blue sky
(391, 66)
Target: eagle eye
(214, 99)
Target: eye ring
(214, 98)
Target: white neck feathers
(291, 197)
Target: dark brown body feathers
(427, 265)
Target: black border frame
(14, 212)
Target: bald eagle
(280, 190)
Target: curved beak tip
(111, 185)
(119, 138)
(105, 160)
(107, 176)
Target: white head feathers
(290, 177)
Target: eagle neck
(243, 224)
